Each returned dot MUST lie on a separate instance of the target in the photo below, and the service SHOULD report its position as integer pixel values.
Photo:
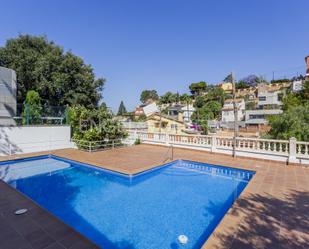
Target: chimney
(307, 67)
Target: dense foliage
(94, 124)
(198, 88)
(59, 77)
(147, 95)
(294, 122)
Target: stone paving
(272, 211)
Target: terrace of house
(272, 211)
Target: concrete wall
(7, 96)
(25, 139)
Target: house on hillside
(8, 104)
(228, 110)
(258, 118)
(146, 109)
(248, 93)
(269, 96)
(180, 112)
(226, 86)
(164, 124)
(269, 103)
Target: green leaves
(147, 95)
(59, 77)
(198, 88)
(122, 109)
(94, 124)
(294, 122)
(32, 108)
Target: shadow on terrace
(275, 225)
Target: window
(256, 116)
(262, 98)
(174, 126)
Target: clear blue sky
(167, 44)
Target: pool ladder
(167, 154)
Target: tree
(122, 109)
(59, 77)
(32, 108)
(168, 98)
(305, 92)
(215, 107)
(147, 95)
(94, 124)
(251, 80)
(186, 99)
(290, 101)
(292, 123)
(198, 88)
(199, 102)
(217, 94)
(241, 85)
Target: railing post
(167, 139)
(90, 146)
(213, 144)
(292, 150)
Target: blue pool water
(148, 210)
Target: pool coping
(124, 175)
(273, 181)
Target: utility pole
(235, 116)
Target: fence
(92, 146)
(291, 151)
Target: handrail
(292, 150)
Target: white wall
(271, 98)
(26, 139)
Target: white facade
(228, 110)
(257, 117)
(297, 85)
(150, 109)
(268, 98)
(187, 113)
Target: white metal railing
(292, 151)
(92, 146)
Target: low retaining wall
(27, 139)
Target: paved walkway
(272, 212)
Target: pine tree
(122, 109)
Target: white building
(146, 109)
(269, 98)
(297, 85)
(228, 110)
(187, 113)
(259, 117)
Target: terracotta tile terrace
(272, 211)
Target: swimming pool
(147, 210)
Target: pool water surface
(147, 210)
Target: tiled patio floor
(272, 212)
